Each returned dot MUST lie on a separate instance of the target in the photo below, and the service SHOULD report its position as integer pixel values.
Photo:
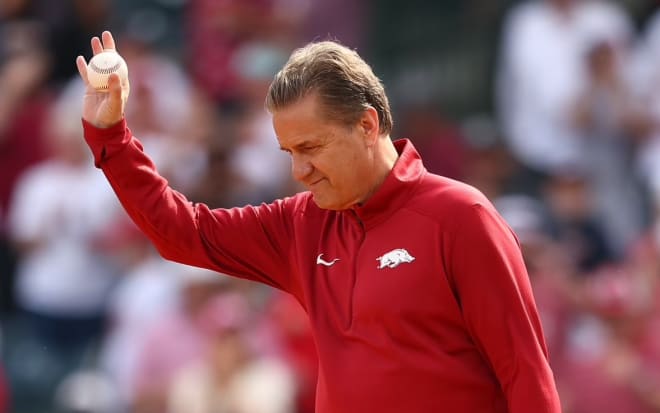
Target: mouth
(315, 183)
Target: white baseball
(102, 65)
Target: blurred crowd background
(550, 107)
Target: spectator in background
(231, 377)
(70, 23)
(261, 169)
(289, 319)
(612, 122)
(438, 140)
(489, 165)
(614, 357)
(568, 199)
(171, 119)
(216, 30)
(345, 20)
(86, 390)
(541, 72)
(218, 184)
(645, 252)
(65, 273)
(148, 290)
(550, 269)
(646, 84)
(171, 341)
(24, 70)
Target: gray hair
(344, 82)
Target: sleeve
(495, 296)
(249, 242)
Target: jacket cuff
(105, 142)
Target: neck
(384, 159)
(388, 154)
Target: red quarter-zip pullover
(419, 300)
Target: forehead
(301, 120)
(305, 108)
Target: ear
(369, 125)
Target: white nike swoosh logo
(321, 261)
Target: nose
(300, 168)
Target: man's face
(332, 160)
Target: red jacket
(419, 300)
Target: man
(415, 287)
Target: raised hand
(103, 109)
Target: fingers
(97, 47)
(82, 68)
(108, 41)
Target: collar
(397, 187)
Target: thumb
(114, 88)
(115, 105)
(113, 110)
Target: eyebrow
(298, 145)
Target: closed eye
(309, 148)
(301, 149)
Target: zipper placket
(363, 236)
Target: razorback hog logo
(394, 258)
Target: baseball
(102, 65)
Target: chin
(325, 203)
